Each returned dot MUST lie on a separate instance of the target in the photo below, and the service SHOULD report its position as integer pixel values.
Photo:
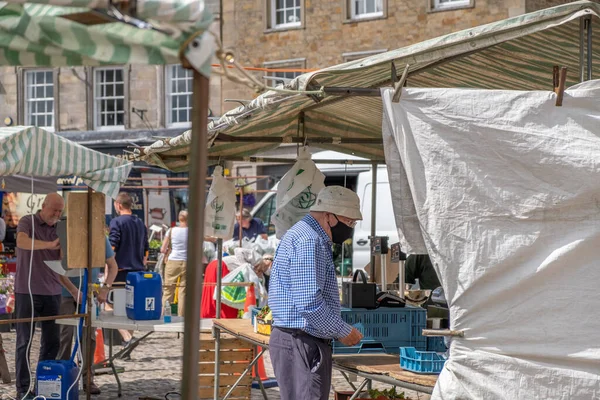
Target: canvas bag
(297, 193)
(219, 213)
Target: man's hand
(353, 338)
(102, 294)
(54, 245)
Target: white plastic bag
(219, 213)
(297, 192)
(235, 296)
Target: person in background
(304, 297)
(418, 266)
(251, 227)
(35, 281)
(68, 306)
(208, 308)
(129, 239)
(10, 238)
(174, 247)
(2, 229)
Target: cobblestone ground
(154, 370)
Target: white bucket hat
(339, 201)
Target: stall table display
(107, 320)
(383, 368)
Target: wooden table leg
(4, 372)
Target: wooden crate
(235, 356)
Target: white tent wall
(505, 189)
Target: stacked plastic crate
(385, 330)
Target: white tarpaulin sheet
(502, 188)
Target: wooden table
(384, 368)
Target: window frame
(350, 17)
(270, 13)
(95, 105)
(23, 108)
(299, 63)
(434, 5)
(167, 99)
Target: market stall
(346, 114)
(70, 33)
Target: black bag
(359, 294)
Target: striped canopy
(97, 32)
(517, 53)
(32, 151)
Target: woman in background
(175, 248)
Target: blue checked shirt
(303, 290)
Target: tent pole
(582, 25)
(589, 49)
(195, 267)
(89, 329)
(373, 216)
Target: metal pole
(217, 333)
(219, 271)
(401, 277)
(88, 329)
(195, 267)
(373, 216)
(240, 229)
(582, 23)
(589, 49)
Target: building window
(442, 5)
(109, 98)
(39, 98)
(179, 96)
(365, 9)
(275, 78)
(358, 55)
(284, 14)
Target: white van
(357, 177)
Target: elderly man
(251, 227)
(36, 282)
(304, 297)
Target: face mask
(340, 232)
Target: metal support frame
(195, 267)
(359, 389)
(219, 274)
(291, 160)
(248, 369)
(589, 48)
(222, 137)
(385, 379)
(218, 316)
(89, 329)
(373, 216)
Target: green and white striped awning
(517, 53)
(55, 33)
(32, 151)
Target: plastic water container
(143, 296)
(55, 377)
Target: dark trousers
(302, 365)
(43, 306)
(67, 307)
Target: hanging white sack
(219, 213)
(297, 192)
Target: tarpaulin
(502, 189)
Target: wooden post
(88, 329)
(195, 267)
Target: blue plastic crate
(421, 362)
(436, 344)
(390, 328)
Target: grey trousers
(302, 365)
(67, 306)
